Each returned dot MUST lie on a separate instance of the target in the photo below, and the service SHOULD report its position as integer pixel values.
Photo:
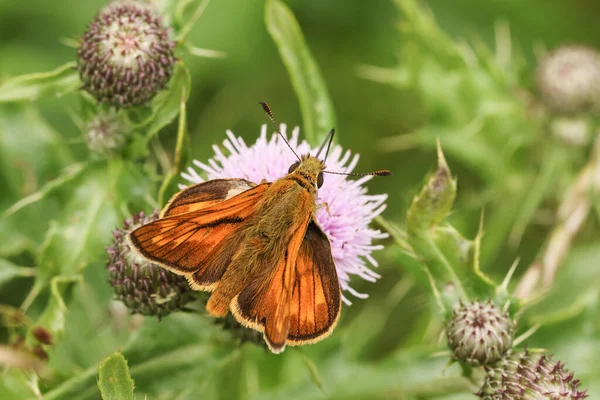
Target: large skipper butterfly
(257, 248)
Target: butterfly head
(310, 168)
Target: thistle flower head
(106, 134)
(480, 333)
(125, 56)
(350, 209)
(530, 376)
(569, 78)
(145, 288)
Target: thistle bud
(480, 333)
(106, 134)
(530, 376)
(435, 201)
(569, 78)
(125, 56)
(145, 288)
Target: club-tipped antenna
(381, 172)
(267, 109)
(328, 140)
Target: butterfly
(257, 248)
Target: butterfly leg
(326, 205)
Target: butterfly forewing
(204, 195)
(198, 244)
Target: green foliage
(32, 87)
(502, 155)
(317, 109)
(451, 260)
(182, 154)
(114, 380)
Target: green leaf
(315, 377)
(54, 315)
(68, 174)
(182, 155)
(22, 174)
(18, 384)
(166, 357)
(90, 215)
(9, 271)
(187, 27)
(552, 163)
(19, 170)
(318, 113)
(93, 211)
(114, 380)
(61, 81)
(463, 255)
(167, 104)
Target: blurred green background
(383, 345)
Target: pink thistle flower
(350, 208)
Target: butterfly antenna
(381, 172)
(328, 140)
(267, 109)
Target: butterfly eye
(320, 180)
(293, 167)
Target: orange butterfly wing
(204, 195)
(316, 294)
(196, 238)
(301, 302)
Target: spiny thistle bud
(530, 376)
(106, 134)
(125, 56)
(435, 201)
(144, 287)
(569, 78)
(480, 333)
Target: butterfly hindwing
(316, 294)
(264, 304)
(193, 244)
(300, 302)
